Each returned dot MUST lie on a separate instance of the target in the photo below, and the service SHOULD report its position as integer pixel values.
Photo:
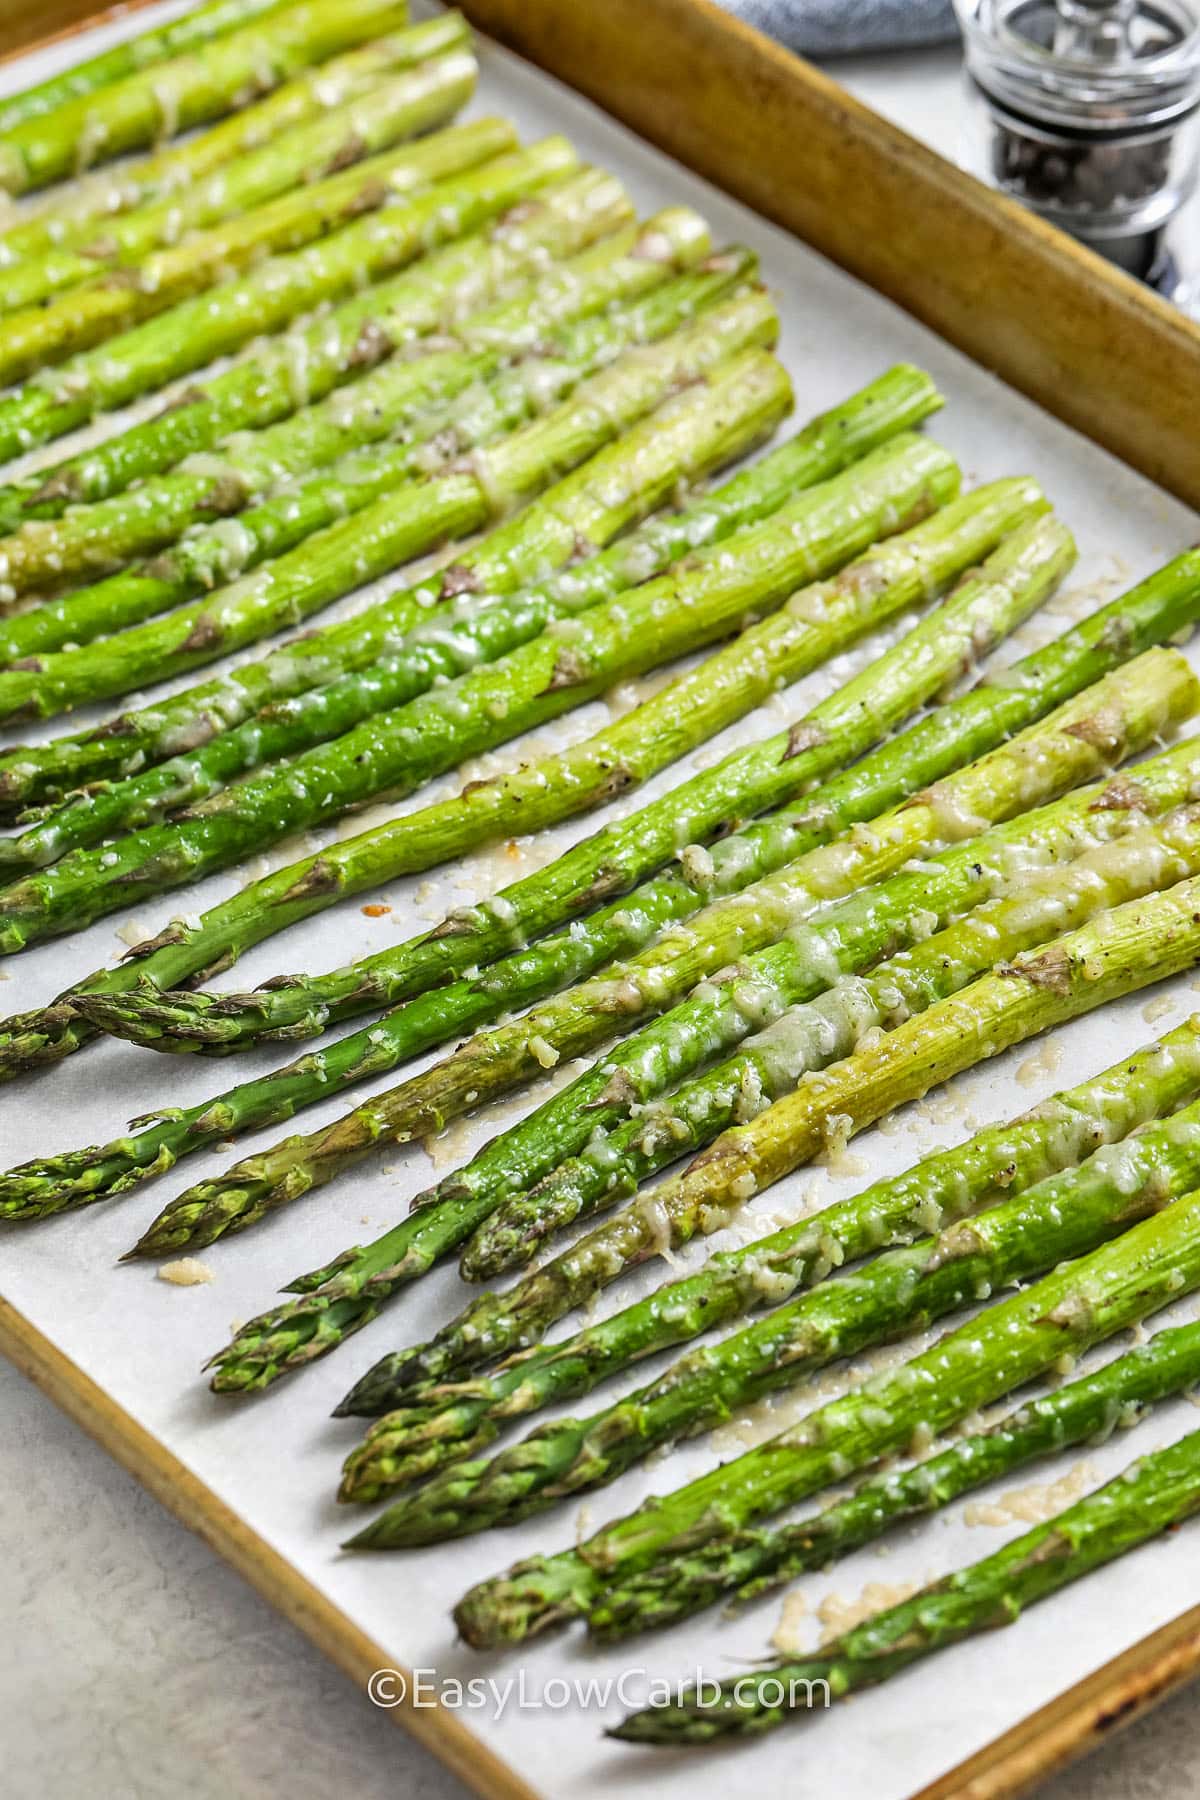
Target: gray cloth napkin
(833, 27)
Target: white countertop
(136, 1664)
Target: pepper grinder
(1087, 112)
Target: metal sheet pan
(121, 1350)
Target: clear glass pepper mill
(1087, 111)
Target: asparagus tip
(629, 1731)
(362, 1540)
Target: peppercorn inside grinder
(1087, 111)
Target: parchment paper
(275, 1461)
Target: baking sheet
(275, 1460)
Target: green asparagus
(1154, 1494)
(1037, 991)
(829, 444)
(417, 516)
(395, 752)
(1006, 1345)
(436, 1421)
(76, 215)
(540, 217)
(817, 951)
(744, 784)
(615, 1162)
(39, 335)
(429, 1407)
(714, 420)
(738, 404)
(131, 54)
(614, 859)
(902, 1291)
(535, 972)
(169, 96)
(867, 1082)
(198, 330)
(597, 289)
(769, 1064)
(396, 107)
(346, 1293)
(752, 1562)
(1016, 578)
(448, 1009)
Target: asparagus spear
(264, 299)
(769, 986)
(746, 783)
(346, 1293)
(619, 852)
(771, 1063)
(829, 444)
(446, 1010)
(446, 400)
(1006, 1345)
(535, 218)
(736, 405)
(710, 423)
(750, 1563)
(995, 1012)
(377, 406)
(170, 96)
(450, 1422)
(397, 107)
(131, 54)
(39, 335)
(676, 1210)
(1154, 1494)
(901, 1291)
(75, 216)
(395, 752)
(615, 858)
(431, 1413)
(49, 1033)
(615, 1162)
(418, 515)
(1028, 1149)
(1015, 580)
